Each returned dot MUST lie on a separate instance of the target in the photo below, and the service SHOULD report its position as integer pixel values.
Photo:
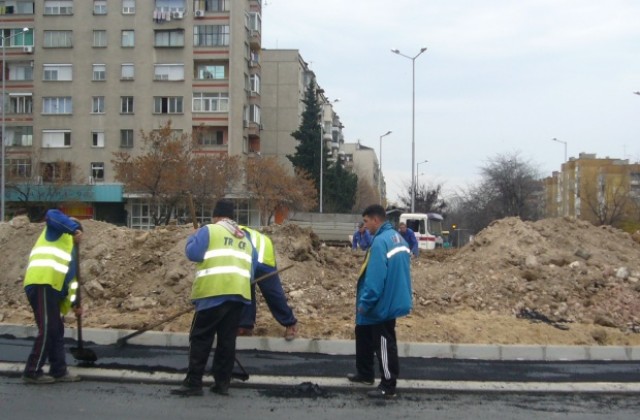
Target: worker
(50, 284)
(221, 289)
(409, 236)
(383, 294)
(271, 289)
(361, 238)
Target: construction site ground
(556, 281)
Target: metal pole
(380, 167)
(565, 147)
(321, 154)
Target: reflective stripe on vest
(49, 261)
(263, 245)
(226, 269)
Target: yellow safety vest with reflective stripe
(263, 245)
(49, 264)
(227, 266)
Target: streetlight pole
(380, 166)
(413, 121)
(418, 172)
(322, 148)
(565, 147)
(4, 103)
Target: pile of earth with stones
(555, 281)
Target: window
(58, 39)
(211, 35)
(99, 38)
(56, 171)
(253, 21)
(57, 105)
(211, 5)
(99, 7)
(99, 72)
(167, 105)
(128, 39)
(97, 105)
(209, 137)
(210, 102)
(20, 103)
(20, 136)
(57, 72)
(254, 114)
(254, 83)
(19, 168)
(169, 72)
(16, 37)
(127, 71)
(169, 38)
(17, 7)
(20, 70)
(58, 7)
(210, 71)
(126, 104)
(126, 138)
(97, 171)
(128, 7)
(97, 139)
(56, 138)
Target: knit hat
(224, 208)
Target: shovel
(80, 353)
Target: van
(426, 226)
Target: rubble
(565, 271)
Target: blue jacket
(384, 286)
(410, 237)
(361, 239)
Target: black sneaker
(356, 377)
(188, 391)
(38, 379)
(220, 389)
(381, 394)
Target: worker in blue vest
(50, 284)
(409, 236)
(271, 289)
(221, 289)
(361, 238)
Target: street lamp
(637, 92)
(418, 172)
(565, 147)
(322, 146)
(413, 121)
(380, 168)
(4, 103)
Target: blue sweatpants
(273, 293)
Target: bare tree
(608, 204)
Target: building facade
(87, 76)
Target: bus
(426, 226)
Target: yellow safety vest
(49, 264)
(227, 266)
(263, 245)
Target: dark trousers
(273, 293)
(379, 339)
(221, 321)
(49, 343)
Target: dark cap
(224, 208)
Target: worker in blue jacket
(361, 238)
(409, 236)
(383, 294)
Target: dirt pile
(556, 281)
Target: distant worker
(50, 284)
(271, 289)
(439, 241)
(221, 289)
(361, 238)
(410, 237)
(383, 294)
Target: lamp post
(565, 147)
(637, 92)
(322, 147)
(413, 121)
(418, 172)
(380, 166)
(4, 103)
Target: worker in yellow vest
(271, 289)
(50, 285)
(221, 289)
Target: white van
(426, 226)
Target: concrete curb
(546, 353)
(260, 381)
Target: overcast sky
(499, 76)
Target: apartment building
(87, 75)
(363, 161)
(600, 190)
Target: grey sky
(499, 76)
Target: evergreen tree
(340, 188)
(308, 135)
